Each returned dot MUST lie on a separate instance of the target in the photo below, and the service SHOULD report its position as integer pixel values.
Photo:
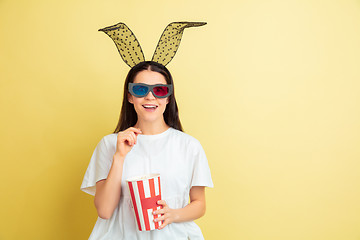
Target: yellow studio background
(270, 89)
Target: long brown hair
(128, 116)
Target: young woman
(148, 139)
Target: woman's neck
(150, 128)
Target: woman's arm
(107, 195)
(108, 191)
(194, 210)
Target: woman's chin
(150, 119)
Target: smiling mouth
(150, 106)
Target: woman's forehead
(149, 77)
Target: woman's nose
(150, 96)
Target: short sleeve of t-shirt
(98, 169)
(201, 172)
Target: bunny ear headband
(130, 49)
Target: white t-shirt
(181, 162)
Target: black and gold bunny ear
(170, 40)
(126, 43)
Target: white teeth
(149, 106)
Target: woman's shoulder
(109, 138)
(185, 137)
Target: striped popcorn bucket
(145, 191)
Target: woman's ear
(129, 97)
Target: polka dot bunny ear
(170, 40)
(130, 49)
(126, 43)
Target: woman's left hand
(168, 215)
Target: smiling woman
(148, 139)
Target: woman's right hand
(126, 140)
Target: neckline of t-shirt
(154, 136)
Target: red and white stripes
(145, 192)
